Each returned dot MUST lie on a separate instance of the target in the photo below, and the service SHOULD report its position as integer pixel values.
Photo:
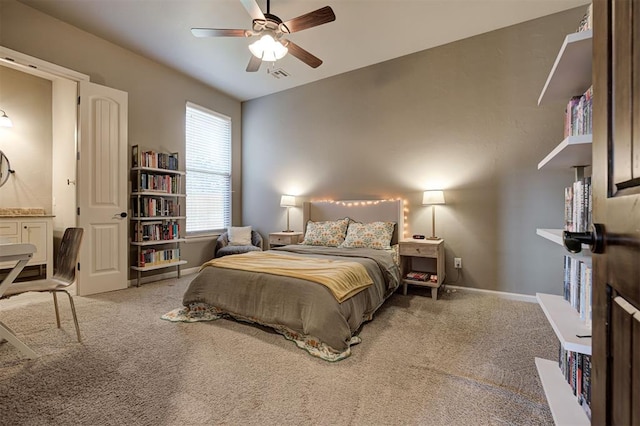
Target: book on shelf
(578, 115)
(578, 287)
(156, 207)
(576, 369)
(152, 257)
(154, 160)
(578, 211)
(159, 183)
(156, 231)
(586, 23)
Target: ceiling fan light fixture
(5, 121)
(268, 49)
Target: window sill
(201, 238)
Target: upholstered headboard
(359, 210)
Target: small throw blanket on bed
(343, 278)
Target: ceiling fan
(272, 45)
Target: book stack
(159, 183)
(156, 231)
(155, 160)
(578, 284)
(576, 368)
(156, 207)
(578, 115)
(578, 206)
(152, 257)
(418, 276)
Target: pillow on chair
(239, 235)
(224, 247)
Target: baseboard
(503, 294)
(167, 275)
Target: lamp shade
(432, 197)
(287, 201)
(268, 49)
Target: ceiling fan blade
(311, 19)
(302, 54)
(253, 9)
(254, 64)
(215, 32)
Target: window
(208, 167)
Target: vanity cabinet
(37, 230)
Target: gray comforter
(301, 306)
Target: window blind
(208, 167)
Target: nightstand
(411, 249)
(277, 239)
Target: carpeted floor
(465, 359)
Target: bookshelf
(570, 76)
(555, 236)
(156, 202)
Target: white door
(102, 189)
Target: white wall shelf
(158, 266)
(555, 236)
(158, 194)
(566, 323)
(574, 151)
(158, 171)
(570, 76)
(157, 242)
(562, 402)
(571, 72)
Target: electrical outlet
(457, 262)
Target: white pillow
(239, 235)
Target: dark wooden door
(616, 193)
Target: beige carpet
(465, 359)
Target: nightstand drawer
(418, 250)
(283, 239)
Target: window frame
(229, 176)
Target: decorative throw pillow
(239, 235)
(375, 235)
(330, 233)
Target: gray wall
(461, 117)
(157, 94)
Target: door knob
(573, 241)
(123, 215)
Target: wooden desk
(21, 254)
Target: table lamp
(431, 198)
(288, 201)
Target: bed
(317, 317)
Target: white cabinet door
(36, 234)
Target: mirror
(5, 168)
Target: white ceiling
(365, 32)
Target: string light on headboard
(405, 209)
(359, 203)
(406, 218)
